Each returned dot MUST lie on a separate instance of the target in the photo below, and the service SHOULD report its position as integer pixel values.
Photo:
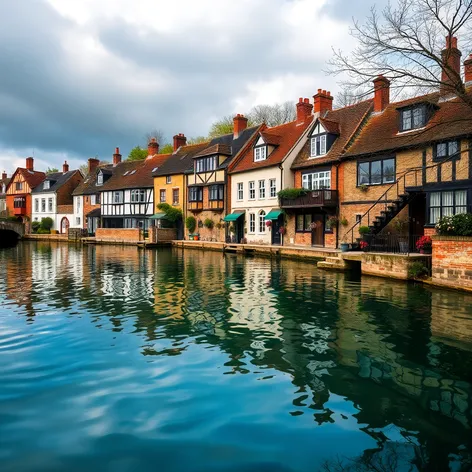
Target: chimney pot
(451, 57)
(304, 108)
(30, 163)
(116, 157)
(153, 147)
(4, 175)
(92, 165)
(381, 93)
(239, 125)
(65, 167)
(323, 102)
(179, 140)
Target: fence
(392, 243)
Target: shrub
(43, 231)
(208, 223)
(331, 223)
(417, 270)
(364, 230)
(13, 218)
(363, 188)
(190, 223)
(457, 225)
(292, 193)
(46, 223)
(172, 214)
(35, 226)
(344, 222)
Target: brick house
(410, 164)
(4, 181)
(260, 172)
(317, 169)
(53, 198)
(208, 184)
(18, 190)
(169, 178)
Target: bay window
(206, 164)
(216, 192)
(195, 194)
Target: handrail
(384, 197)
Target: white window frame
(322, 139)
(93, 200)
(50, 205)
(43, 205)
(252, 223)
(262, 190)
(314, 180)
(77, 220)
(262, 225)
(168, 179)
(240, 191)
(36, 205)
(117, 197)
(260, 153)
(273, 188)
(46, 185)
(162, 192)
(252, 190)
(100, 178)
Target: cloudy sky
(79, 77)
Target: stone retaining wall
(452, 261)
(391, 265)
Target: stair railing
(408, 179)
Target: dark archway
(8, 238)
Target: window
(316, 180)
(413, 118)
(77, 201)
(447, 203)
(46, 185)
(168, 179)
(260, 153)
(195, 194)
(92, 200)
(162, 196)
(118, 197)
(4, 188)
(240, 191)
(358, 218)
(252, 190)
(261, 189)
(206, 164)
(77, 220)
(175, 196)
(376, 172)
(50, 205)
(36, 205)
(216, 192)
(304, 221)
(318, 145)
(262, 226)
(138, 196)
(445, 150)
(19, 185)
(100, 179)
(19, 202)
(252, 222)
(43, 205)
(273, 188)
(97, 199)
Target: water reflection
(375, 371)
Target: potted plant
(363, 245)
(363, 230)
(218, 225)
(190, 224)
(363, 188)
(208, 223)
(282, 230)
(331, 223)
(344, 222)
(424, 245)
(344, 247)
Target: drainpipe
(337, 210)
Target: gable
(260, 142)
(317, 129)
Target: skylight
(126, 173)
(132, 172)
(155, 168)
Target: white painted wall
(38, 214)
(77, 220)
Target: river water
(119, 359)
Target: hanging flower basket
(268, 223)
(314, 225)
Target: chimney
(29, 163)
(240, 124)
(468, 70)
(92, 165)
(304, 108)
(153, 147)
(451, 56)
(323, 102)
(4, 175)
(179, 140)
(65, 167)
(381, 93)
(116, 157)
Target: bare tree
(155, 133)
(406, 43)
(273, 115)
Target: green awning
(273, 214)
(233, 216)
(159, 216)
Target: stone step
(335, 260)
(331, 266)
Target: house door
(64, 225)
(239, 228)
(276, 236)
(317, 233)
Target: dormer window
(100, 178)
(4, 188)
(318, 145)
(206, 164)
(46, 185)
(413, 118)
(260, 153)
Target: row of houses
(315, 181)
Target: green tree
(137, 154)
(50, 170)
(221, 127)
(197, 140)
(166, 149)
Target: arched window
(262, 215)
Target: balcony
(19, 211)
(314, 198)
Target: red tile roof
(284, 137)
(32, 177)
(345, 122)
(452, 118)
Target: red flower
(363, 244)
(423, 243)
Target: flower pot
(344, 247)
(196, 237)
(403, 246)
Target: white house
(261, 172)
(53, 198)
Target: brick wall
(118, 234)
(162, 234)
(452, 260)
(304, 239)
(88, 207)
(390, 265)
(64, 193)
(429, 231)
